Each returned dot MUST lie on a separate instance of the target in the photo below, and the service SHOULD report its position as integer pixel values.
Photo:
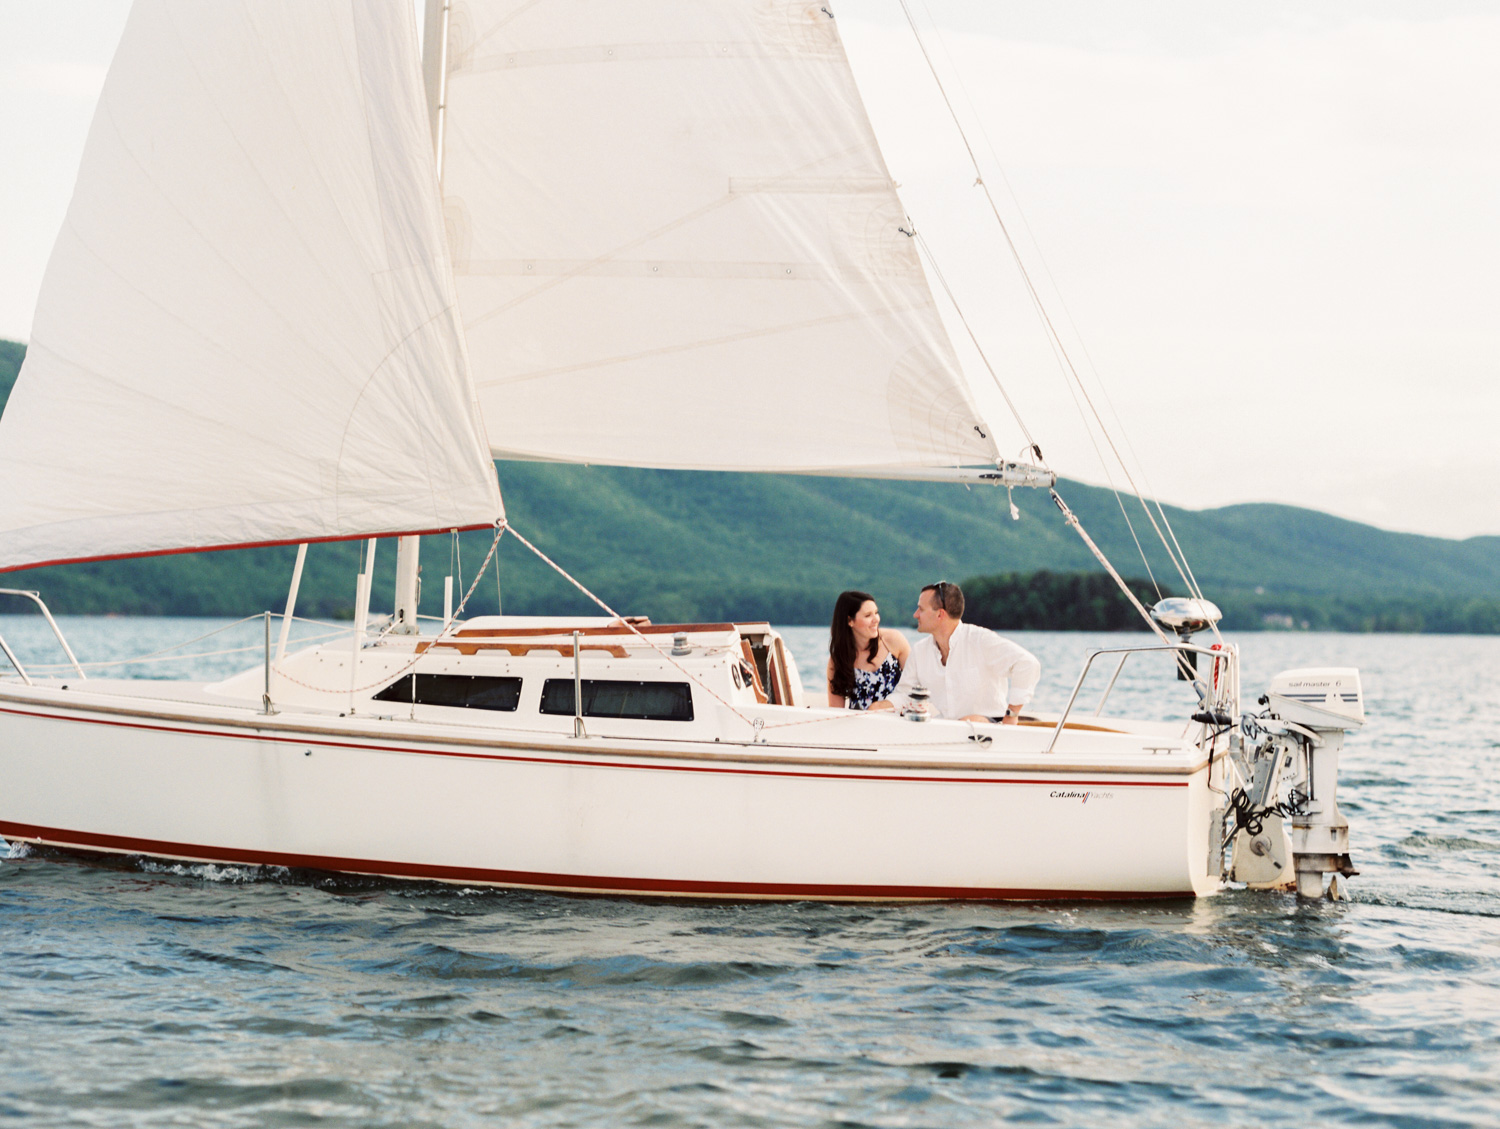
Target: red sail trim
(246, 545)
(565, 883)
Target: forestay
(677, 244)
(246, 332)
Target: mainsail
(247, 330)
(677, 244)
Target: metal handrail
(15, 662)
(1113, 678)
(36, 598)
(1125, 653)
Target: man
(970, 672)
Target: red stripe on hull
(562, 883)
(1054, 781)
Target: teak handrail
(563, 649)
(609, 629)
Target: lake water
(149, 995)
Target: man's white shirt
(984, 674)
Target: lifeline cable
(165, 650)
(160, 657)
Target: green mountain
(11, 355)
(682, 545)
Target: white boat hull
(398, 798)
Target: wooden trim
(755, 682)
(783, 677)
(1033, 723)
(563, 649)
(609, 629)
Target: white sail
(677, 244)
(247, 331)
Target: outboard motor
(1293, 751)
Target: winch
(1288, 831)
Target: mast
(435, 82)
(435, 71)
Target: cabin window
(463, 691)
(645, 701)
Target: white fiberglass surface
(1146, 689)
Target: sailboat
(315, 278)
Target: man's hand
(883, 704)
(1012, 716)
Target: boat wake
(213, 872)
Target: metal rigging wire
(1168, 539)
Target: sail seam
(686, 218)
(688, 346)
(610, 53)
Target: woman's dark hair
(841, 641)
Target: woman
(864, 662)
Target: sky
(1267, 233)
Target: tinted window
(648, 701)
(465, 691)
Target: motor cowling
(1320, 698)
(1315, 708)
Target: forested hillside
(11, 354)
(704, 545)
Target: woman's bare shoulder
(895, 641)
